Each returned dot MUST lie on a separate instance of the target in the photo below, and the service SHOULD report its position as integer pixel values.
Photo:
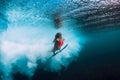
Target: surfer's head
(58, 35)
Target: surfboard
(57, 52)
(60, 50)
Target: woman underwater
(58, 42)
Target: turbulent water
(28, 38)
(28, 27)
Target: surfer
(58, 42)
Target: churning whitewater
(28, 40)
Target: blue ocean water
(28, 35)
(27, 30)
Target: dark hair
(58, 35)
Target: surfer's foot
(53, 53)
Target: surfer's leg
(54, 49)
(53, 53)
